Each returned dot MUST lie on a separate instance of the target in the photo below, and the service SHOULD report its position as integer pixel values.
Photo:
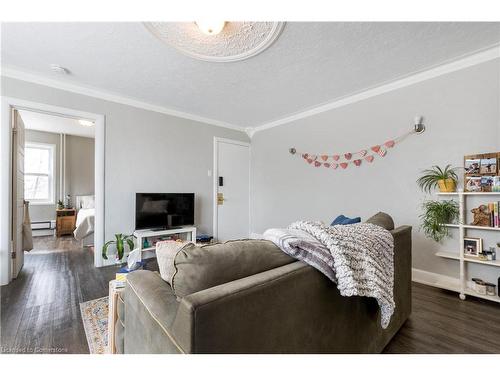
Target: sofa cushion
(382, 219)
(199, 268)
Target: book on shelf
(493, 211)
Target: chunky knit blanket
(360, 259)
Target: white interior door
(17, 193)
(232, 188)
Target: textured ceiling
(308, 65)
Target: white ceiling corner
(311, 67)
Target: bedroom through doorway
(59, 181)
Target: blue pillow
(338, 220)
(344, 220)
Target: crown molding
(11, 72)
(462, 62)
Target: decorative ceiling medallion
(237, 40)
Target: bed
(85, 207)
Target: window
(39, 173)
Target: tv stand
(185, 233)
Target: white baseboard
(435, 279)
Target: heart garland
(347, 157)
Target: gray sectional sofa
(256, 299)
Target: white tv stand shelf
(464, 287)
(149, 252)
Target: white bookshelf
(464, 287)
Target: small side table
(115, 292)
(65, 221)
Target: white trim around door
(8, 104)
(215, 175)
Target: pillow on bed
(87, 201)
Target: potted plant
(435, 217)
(60, 204)
(119, 241)
(446, 179)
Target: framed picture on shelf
(473, 184)
(486, 183)
(472, 166)
(473, 247)
(482, 172)
(488, 166)
(496, 184)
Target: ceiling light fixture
(86, 123)
(210, 27)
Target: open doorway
(59, 181)
(54, 142)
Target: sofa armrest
(150, 308)
(402, 272)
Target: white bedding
(84, 223)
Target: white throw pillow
(166, 252)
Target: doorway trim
(8, 104)
(215, 174)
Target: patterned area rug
(95, 323)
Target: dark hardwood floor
(40, 310)
(441, 323)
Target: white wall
(145, 151)
(79, 166)
(461, 112)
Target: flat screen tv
(163, 210)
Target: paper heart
(305, 156)
(357, 162)
(390, 143)
(343, 165)
(382, 152)
(324, 157)
(335, 157)
(334, 166)
(348, 156)
(362, 153)
(310, 161)
(369, 158)
(317, 163)
(326, 165)
(375, 148)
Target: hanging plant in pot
(446, 179)
(119, 242)
(435, 217)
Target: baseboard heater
(41, 225)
